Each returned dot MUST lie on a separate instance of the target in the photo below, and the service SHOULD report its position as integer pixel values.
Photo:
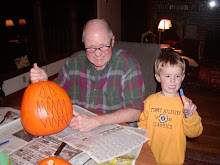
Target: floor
(208, 103)
(207, 98)
(207, 146)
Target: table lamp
(9, 22)
(22, 22)
(163, 25)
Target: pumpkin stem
(50, 162)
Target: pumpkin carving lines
(48, 114)
(51, 94)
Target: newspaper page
(13, 115)
(16, 136)
(85, 159)
(83, 111)
(25, 148)
(40, 149)
(99, 145)
(142, 132)
(106, 142)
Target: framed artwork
(22, 62)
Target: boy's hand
(189, 108)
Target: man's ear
(113, 41)
(157, 76)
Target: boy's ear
(183, 77)
(157, 76)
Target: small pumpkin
(53, 161)
(45, 108)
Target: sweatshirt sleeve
(144, 116)
(193, 126)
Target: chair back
(146, 54)
(148, 37)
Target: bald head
(96, 26)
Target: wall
(137, 18)
(19, 82)
(110, 10)
(195, 20)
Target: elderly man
(100, 78)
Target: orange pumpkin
(45, 108)
(53, 161)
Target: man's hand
(189, 108)
(83, 123)
(37, 74)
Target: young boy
(167, 116)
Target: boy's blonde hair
(169, 57)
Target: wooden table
(145, 157)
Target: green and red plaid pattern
(120, 85)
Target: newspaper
(105, 142)
(16, 135)
(85, 159)
(40, 149)
(100, 145)
(25, 148)
(14, 114)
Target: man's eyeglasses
(103, 49)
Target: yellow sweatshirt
(167, 127)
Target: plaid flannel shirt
(120, 85)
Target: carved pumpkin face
(45, 108)
(54, 161)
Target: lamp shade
(9, 22)
(22, 22)
(164, 24)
